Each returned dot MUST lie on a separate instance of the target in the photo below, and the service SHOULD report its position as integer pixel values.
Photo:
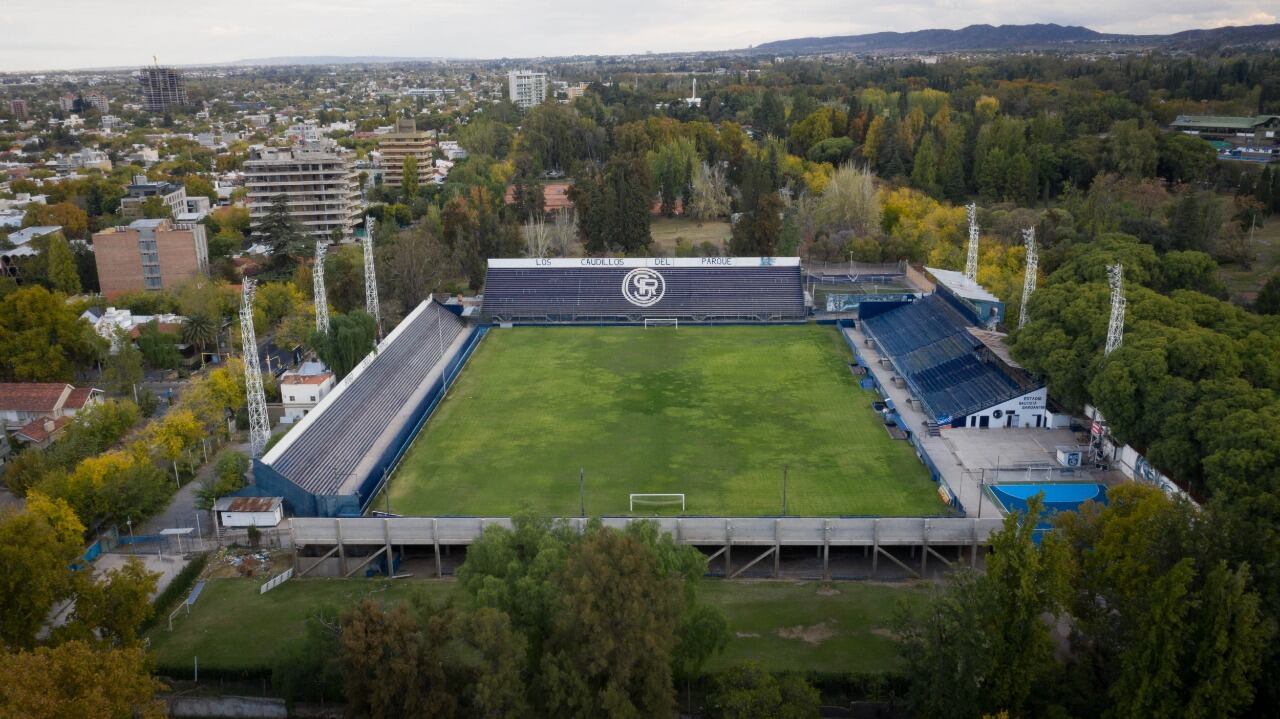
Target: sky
(66, 34)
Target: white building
(234, 512)
(302, 389)
(321, 187)
(526, 88)
(110, 323)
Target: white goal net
(661, 322)
(657, 500)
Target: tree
(37, 545)
(747, 691)
(983, 646)
(391, 665)
(61, 265)
(73, 220)
(409, 177)
(710, 199)
(112, 609)
(924, 170)
(1268, 302)
(670, 165)
(200, 331)
(229, 475)
(41, 338)
(851, 202)
(279, 231)
(76, 679)
(124, 368)
(157, 347)
(349, 339)
(155, 208)
(491, 663)
(771, 115)
(609, 651)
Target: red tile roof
(35, 432)
(306, 378)
(31, 396)
(555, 196)
(79, 397)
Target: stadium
(705, 391)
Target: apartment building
(172, 194)
(149, 255)
(405, 141)
(527, 88)
(321, 186)
(162, 88)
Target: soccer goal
(657, 500)
(661, 322)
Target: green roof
(1237, 123)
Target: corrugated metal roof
(248, 504)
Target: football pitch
(715, 413)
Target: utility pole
(785, 467)
(582, 492)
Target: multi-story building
(19, 108)
(67, 103)
(302, 389)
(162, 88)
(405, 141)
(321, 187)
(97, 101)
(149, 255)
(527, 88)
(172, 194)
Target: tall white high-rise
(320, 186)
(527, 88)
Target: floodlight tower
(317, 284)
(259, 425)
(370, 278)
(971, 261)
(1115, 330)
(1029, 281)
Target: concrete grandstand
(333, 462)
(594, 289)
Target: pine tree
(409, 177)
(924, 172)
(951, 169)
(280, 231)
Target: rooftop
(32, 396)
(1240, 123)
(247, 504)
(961, 285)
(27, 234)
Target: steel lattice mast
(1029, 280)
(259, 425)
(971, 261)
(317, 282)
(370, 277)
(1115, 330)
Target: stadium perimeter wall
(270, 483)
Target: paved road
(182, 511)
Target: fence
(276, 581)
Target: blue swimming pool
(1058, 496)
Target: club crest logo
(643, 287)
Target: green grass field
(840, 627)
(715, 413)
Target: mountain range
(1014, 37)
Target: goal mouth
(658, 500)
(661, 322)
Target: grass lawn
(784, 625)
(666, 230)
(812, 626)
(711, 412)
(1243, 285)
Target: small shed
(249, 511)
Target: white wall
(1025, 410)
(250, 519)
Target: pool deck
(970, 458)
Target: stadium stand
(693, 289)
(331, 463)
(947, 368)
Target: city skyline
(487, 29)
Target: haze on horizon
(68, 34)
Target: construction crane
(370, 277)
(971, 261)
(1028, 280)
(259, 424)
(1115, 329)
(318, 291)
